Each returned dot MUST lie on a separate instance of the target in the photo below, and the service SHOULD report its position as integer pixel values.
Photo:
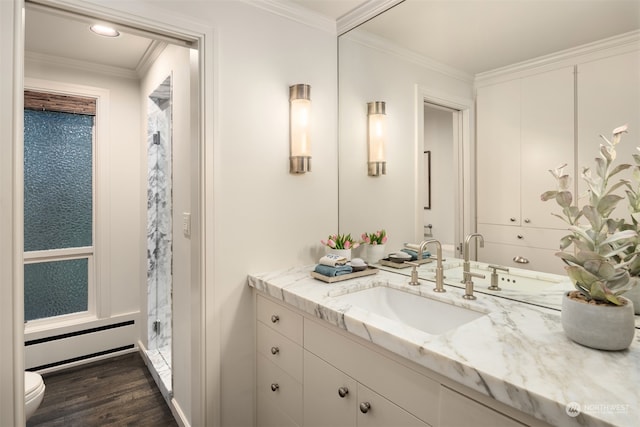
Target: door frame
(202, 37)
(464, 154)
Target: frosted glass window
(58, 188)
(55, 288)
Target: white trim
(362, 13)
(296, 13)
(58, 254)
(385, 46)
(584, 53)
(463, 152)
(44, 59)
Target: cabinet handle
(274, 387)
(512, 219)
(275, 350)
(364, 407)
(527, 220)
(520, 259)
(343, 391)
(520, 236)
(275, 318)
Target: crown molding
(150, 55)
(40, 58)
(364, 12)
(626, 42)
(296, 13)
(385, 46)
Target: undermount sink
(426, 314)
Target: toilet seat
(33, 386)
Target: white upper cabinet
(525, 127)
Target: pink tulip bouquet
(377, 238)
(340, 241)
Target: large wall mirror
(425, 60)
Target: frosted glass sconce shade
(300, 128)
(377, 138)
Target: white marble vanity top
(517, 353)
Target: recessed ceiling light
(105, 31)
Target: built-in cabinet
(312, 374)
(525, 127)
(529, 124)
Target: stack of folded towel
(333, 265)
(413, 249)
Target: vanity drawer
(413, 392)
(542, 238)
(283, 352)
(279, 318)
(277, 389)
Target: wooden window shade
(44, 101)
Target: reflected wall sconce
(299, 129)
(377, 137)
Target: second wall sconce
(299, 128)
(376, 138)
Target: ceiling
(472, 36)
(475, 36)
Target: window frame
(98, 294)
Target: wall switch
(186, 224)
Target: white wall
(174, 61)
(389, 201)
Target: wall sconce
(300, 128)
(377, 137)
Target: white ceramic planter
(374, 253)
(603, 327)
(634, 296)
(342, 252)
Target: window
(58, 205)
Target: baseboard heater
(70, 348)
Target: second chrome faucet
(466, 266)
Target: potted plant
(604, 262)
(340, 244)
(375, 245)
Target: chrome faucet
(439, 271)
(466, 266)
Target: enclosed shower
(159, 235)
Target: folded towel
(329, 271)
(332, 260)
(414, 254)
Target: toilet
(33, 392)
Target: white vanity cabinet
(525, 126)
(278, 365)
(328, 377)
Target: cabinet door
(458, 410)
(608, 97)
(498, 153)
(547, 141)
(277, 393)
(329, 395)
(376, 411)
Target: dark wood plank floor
(114, 392)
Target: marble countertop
(516, 354)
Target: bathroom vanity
(330, 354)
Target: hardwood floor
(114, 392)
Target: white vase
(599, 326)
(341, 252)
(374, 253)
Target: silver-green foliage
(604, 263)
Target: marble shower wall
(159, 218)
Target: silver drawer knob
(343, 391)
(527, 220)
(274, 387)
(275, 350)
(520, 236)
(275, 318)
(364, 407)
(520, 259)
(512, 219)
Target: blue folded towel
(338, 270)
(414, 254)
